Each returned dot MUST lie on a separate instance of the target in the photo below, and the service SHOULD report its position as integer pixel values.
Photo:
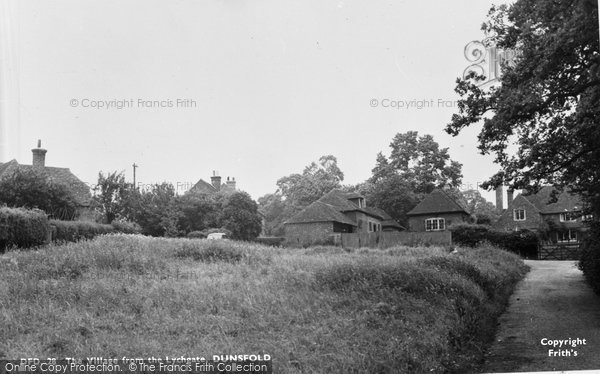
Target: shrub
(590, 257)
(72, 231)
(126, 227)
(22, 227)
(196, 235)
(524, 242)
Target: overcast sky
(264, 86)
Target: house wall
(533, 220)
(306, 234)
(417, 223)
(362, 221)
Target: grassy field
(315, 310)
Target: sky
(255, 90)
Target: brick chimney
(510, 196)
(499, 197)
(215, 180)
(39, 156)
(231, 184)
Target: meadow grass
(315, 310)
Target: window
(568, 217)
(587, 218)
(519, 214)
(435, 224)
(568, 236)
(370, 226)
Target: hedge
(126, 227)
(524, 243)
(22, 228)
(590, 256)
(72, 231)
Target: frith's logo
(487, 60)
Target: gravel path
(552, 303)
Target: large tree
(416, 166)
(110, 195)
(547, 102)
(420, 162)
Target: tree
(199, 211)
(240, 216)
(485, 212)
(420, 162)
(415, 167)
(315, 181)
(110, 194)
(33, 189)
(547, 103)
(155, 210)
(272, 207)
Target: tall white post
(9, 80)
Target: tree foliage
(110, 195)
(240, 216)
(547, 102)
(420, 162)
(33, 189)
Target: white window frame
(515, 215)
(572, 236)
(567, 217)
(587, 217)
(435, 224)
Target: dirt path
(553, 302)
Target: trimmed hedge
(524, 243)
(23, 228)
(590, 256)
(72, 231)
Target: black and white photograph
(317, 186)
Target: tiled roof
(331, 207)
(566, 201)
(387, 221)
(202, 187)
(63, 176)
(320, 212)
(439, 201)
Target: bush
(590, 257)
(196, 235)
(524, 242)
(271, 241)
(126, 227)
(22, 228)
(72, 231)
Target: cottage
(336, 212)
(556, 215)
(63, 176)
(437, 211)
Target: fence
(385, 239)
(559, 252)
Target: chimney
(39, 156)
(231, 184)
(509, 196)
(499, 197)
(215, 180)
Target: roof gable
(202, 187)
(439, 201)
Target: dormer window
(361, 203)
(568, 217)
(519, 215)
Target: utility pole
(135, 166)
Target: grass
(320, 310)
